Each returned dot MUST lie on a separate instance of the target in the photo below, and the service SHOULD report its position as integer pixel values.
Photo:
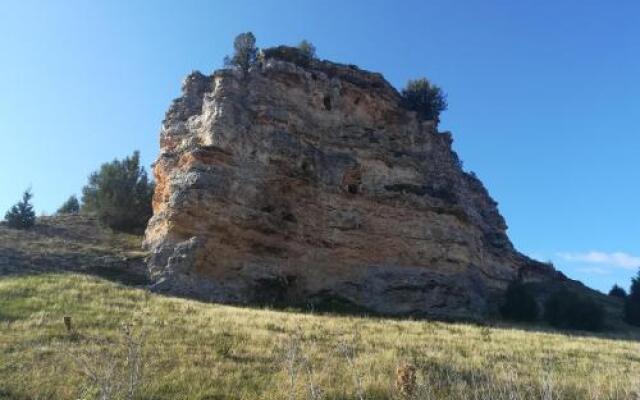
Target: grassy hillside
(72, 243)
(193, 350)
(185, 349)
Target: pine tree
(120, 194)
(71, 206)
(617, 291)
(22, 215)
(565, 309)
(632, 302)
(519, 303)
(245, 52)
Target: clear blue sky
(544, 97)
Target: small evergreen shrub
(22, 215)
(567, 310)
(632, 302)
(71, 206)
(120, 194)
(307, 48)
(519, 303)
(424, 98)
(287, 53)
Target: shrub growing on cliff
(245, 52)
(120, 194)
(21, 215)
(632, 302)
(568, 310)
(71, 206)
(426, 99)
(307, 48)
(519, 303)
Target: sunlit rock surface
(307, 183)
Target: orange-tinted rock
(310, 184)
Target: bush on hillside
(424, 98)
(307, 48)
(71, 206)
(617, 291)
(519, 303)
(22, 215)
(632, 302)
(120, 194)
(245, 52)
(568, 310)
(286, 53)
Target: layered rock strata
(306, 182)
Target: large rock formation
(306, 182)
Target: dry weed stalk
(406, 379)
(67, 323)
(296, 360)
(115, 374)
(348, 351)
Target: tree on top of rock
(245, 52)
(22, 215)
(424, 98)
(307, 48)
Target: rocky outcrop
(306, 182)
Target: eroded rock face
(308, 183)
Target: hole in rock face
(289, 217)
(268, 208)
(352, 180)
(306, 167)
(357, 101)
(327, 103)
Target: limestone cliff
(307, 182)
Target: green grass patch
(193, 350)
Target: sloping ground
(72, 243)
(195, 350)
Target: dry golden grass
(194, 350)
